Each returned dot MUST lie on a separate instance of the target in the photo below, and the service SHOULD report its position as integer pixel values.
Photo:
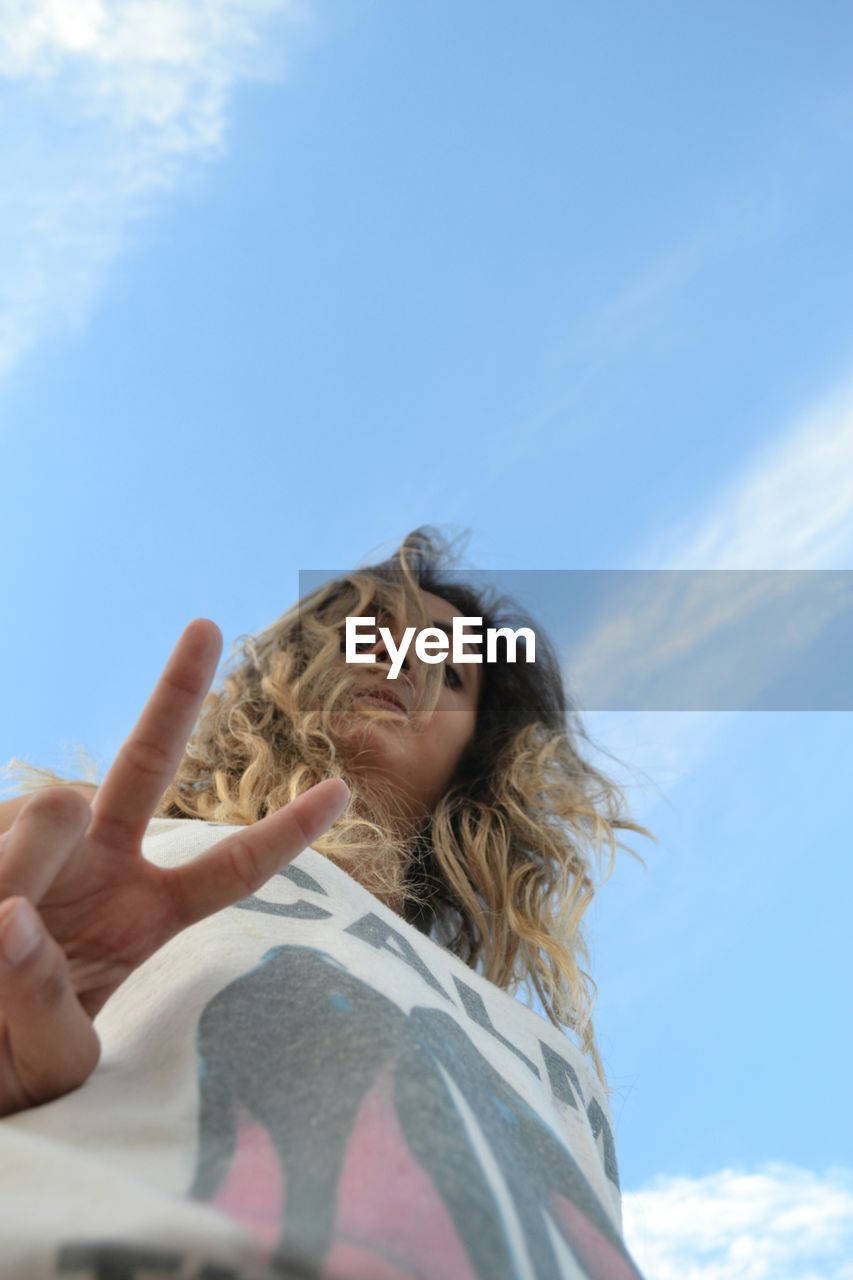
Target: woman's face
(417, 765)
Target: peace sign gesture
(81, 908)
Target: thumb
(50, 1046)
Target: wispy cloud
(778, 1221)
(110, 102)
(713, 639)
(789, 505)
(645, 310)
(789, 172)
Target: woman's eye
(454, 677)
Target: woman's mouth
(386, 700)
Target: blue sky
(282, 282)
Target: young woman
(456, 796)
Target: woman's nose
(383, 657)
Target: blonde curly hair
(501, 872)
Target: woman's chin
(356, 727)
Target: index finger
(149, 757)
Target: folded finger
(36, 846)
(50, 1044)
(149, 758)
(241, 863)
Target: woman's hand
(81, 908)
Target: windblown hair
(501, 873)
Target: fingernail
(19, 933)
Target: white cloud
(776, 1223)
(708, 640)
(111, 100)
(789, 506)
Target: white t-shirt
(304, 1085)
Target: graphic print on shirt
(337, 1127)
